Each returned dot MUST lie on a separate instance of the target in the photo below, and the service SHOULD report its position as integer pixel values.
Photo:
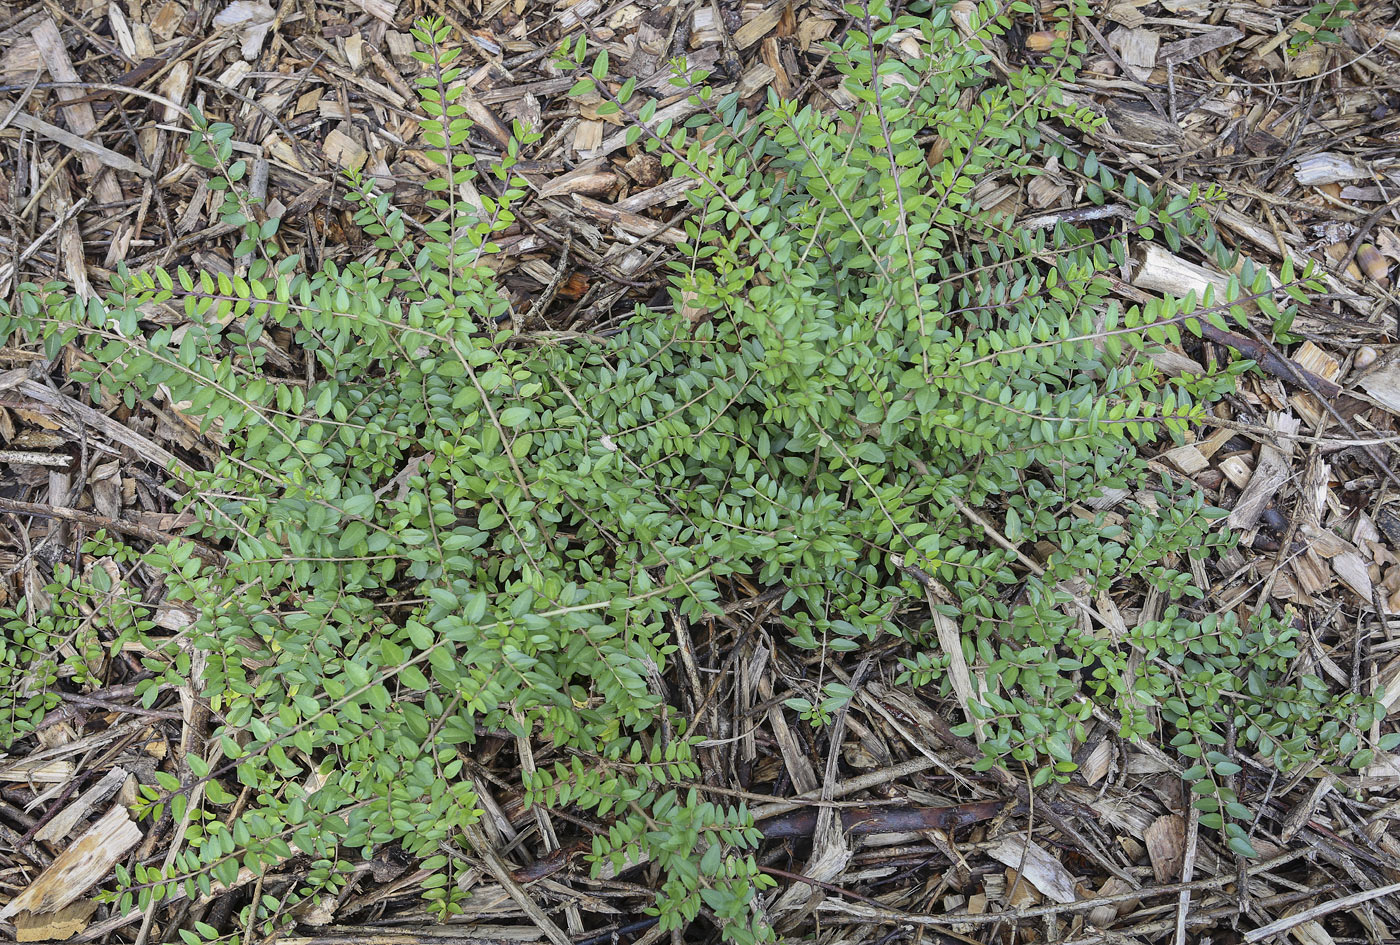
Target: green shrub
(454, 528)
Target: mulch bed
(1306, 142)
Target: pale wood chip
(167, 20)
(1098, 762)
(629, 222)
(1312, 358)
(592, 178)
(676, 112)
(1237, 470)
(78, 117)
(1328, 168)
(1101, 916)
(813, 30)
(756, 77)
(68, 819)
(486, 120)
(355, 51)
(760, 26)
(250, 21)
(80, 867)
(401, 48)
(794, 754)
(381, 9)
(1125, 13)
(1166, 847)
(175, 87)
(1382, 382)
(54, 926)
(121, 31)
(1138, 50)
(588, 139)
(1273, 470)
(579, 11)
(21, 62)
(705, 28)
(28, 771)
(83, 415)
(1186, 458)
(1160, 270)
(1047, 874)
(344, 151)
(1351, 568)
(1193, 47)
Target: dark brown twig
(93, 520)
(108, 706)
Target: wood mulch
(93, 172)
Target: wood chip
(80, 867)
(1327, 168)
(756, 78)
(1166, 847)
(1098, 762)
(54, 926)
(1194, 47)
(813, 30)
(1312, 358)
(344, 151)
(401, 48)
(576, 12)
(799, 768)
(705, 28)
(592, 179)
(176, 86)
(1353, 571)
(588, 139)
(249, 20)
(78, 415)
(168, 20)
(1173, 363)
(1044, 192)
(88, 149)
(68, 819)
(486, 120)
(21, 62)
(1382, 382)
(1138, 50)
(629, 222)
(380, 9)
(1040, 869)
(1237, 470)
(760, 26)
(1101, 916)
(1186, 458)
(675, 112)
(38, 772)
(78, 116)
(1137, 123)
(1021, 893)
(1160, 270)
(1273, 470)
(236, 72)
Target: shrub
(455, 529)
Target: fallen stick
(1268, 361)
(1317, 912)
(93, 520)
(860, 821)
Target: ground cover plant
(868, 392)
